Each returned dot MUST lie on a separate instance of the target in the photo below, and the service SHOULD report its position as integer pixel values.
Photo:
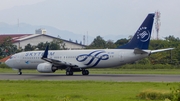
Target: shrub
(4, 66)
(149, 66)
(172, 95)
(154, 95)
(175, 93)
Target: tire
(20, 73)
(83, 72)
(87, 72)
(71, 73)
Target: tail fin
(142, 36)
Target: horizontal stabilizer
(139, 51)
(161, 50)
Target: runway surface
(95, 77)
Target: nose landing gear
(19, 72)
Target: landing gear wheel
(85, 72)
(69, 71)
(19, 73)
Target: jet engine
(45, 68)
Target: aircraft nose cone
(8, 63)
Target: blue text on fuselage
(38, 54)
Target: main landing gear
(19, 72)
(85, 72)
(70, 71)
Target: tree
(171, 38)
(7, 48)
(121, 42)
(158, 44)
(98, 42)
(110, 44)
(29, 47)
(42, 46)
(56, 44)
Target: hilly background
(71, 19)
(30, 29)
(64, 34)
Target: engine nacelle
(45, 68)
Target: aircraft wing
(59, 63)
(54, 61)
(161, 50)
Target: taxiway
(94, 77)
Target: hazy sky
(5, 4)
(98, 17)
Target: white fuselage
(100, 58)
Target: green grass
(107, 71)
(76, 90)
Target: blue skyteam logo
(27, 62)
(92, 59)
(143, 34)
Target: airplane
(48, 61)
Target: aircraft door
(18, 58)
(121, 57)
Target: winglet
(45, 52)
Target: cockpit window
(13, 56)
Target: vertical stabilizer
(142, 36)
